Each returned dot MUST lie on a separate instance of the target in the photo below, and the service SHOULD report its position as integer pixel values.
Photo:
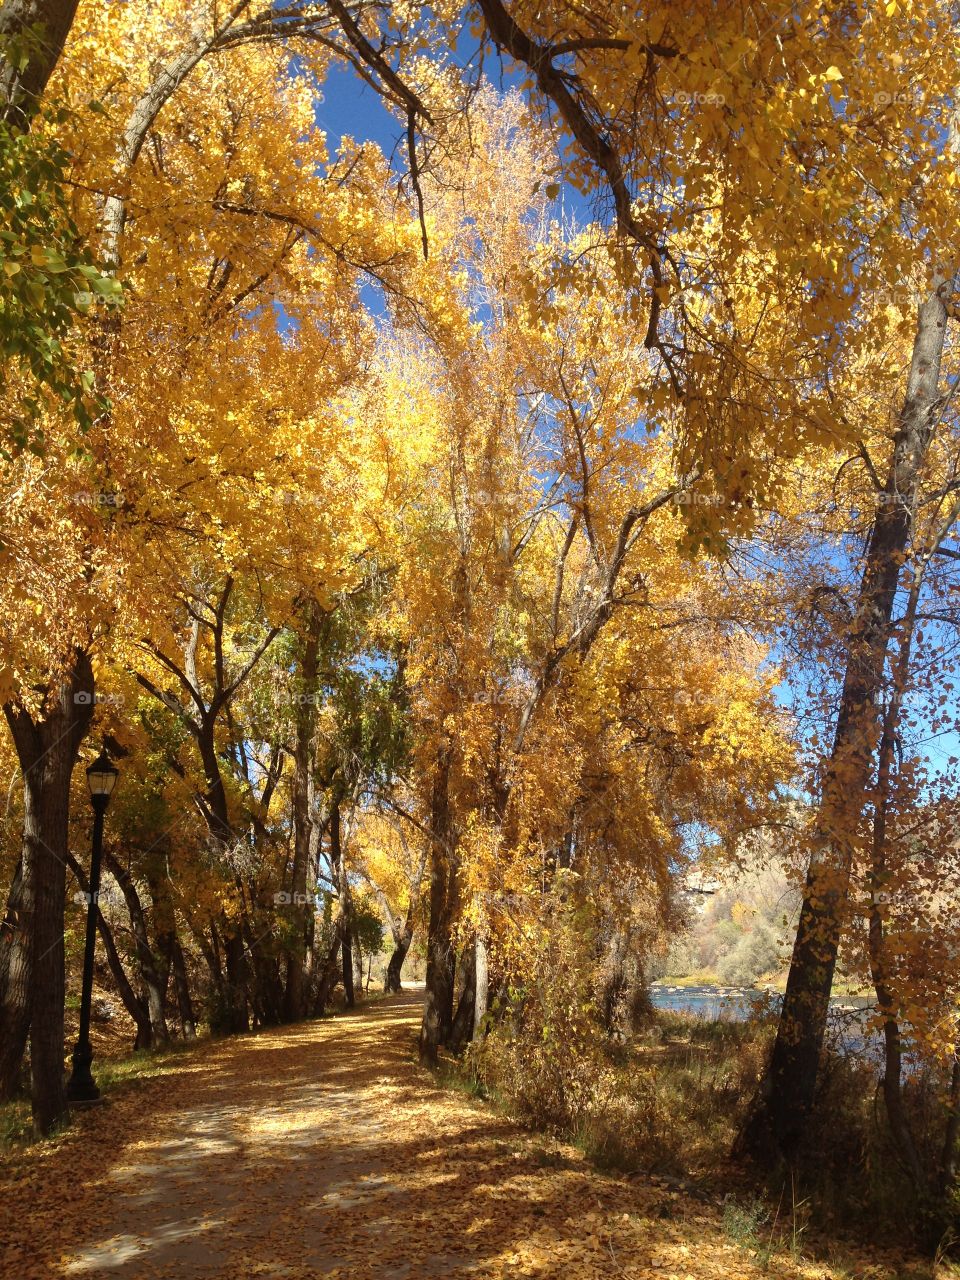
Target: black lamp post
(101, 777)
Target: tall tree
(47, 741)
(789, 1085)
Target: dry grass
(672, 1100)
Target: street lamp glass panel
(101, 776)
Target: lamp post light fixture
(101, 777)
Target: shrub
(756, 953)
(545, 1043)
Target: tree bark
(15, 980)
(481, 984)
(330, 969)
(877, 946)
(236, 1016)
(951, 1137)
(444, 900)
(776, 1124)
(44, 26)
(208, 949)
(150, 971)
(343, 885)
(133, 1004)
(461, 1030)
(297, 960)
(357, 951)
(188, 1023)
(47, 750)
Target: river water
(848, 1014)
(708, 1003)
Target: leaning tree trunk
(776, 1124)
(47, 751)
(401, 927)
(135, 1007)
(152, 975)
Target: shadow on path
(322, 1149)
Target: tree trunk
(208, 949)
(877, 946)
(47, 751)
(199, 714)
(441, 960)
(357, 965)
(330, 969)
(164, 917)
(343, 885)
(44, 25)
(402, 940)
(482, 985)
(151, 974)
(461, 1030)
(266, 989)
(349, 996)
(777, 1122)
(188, 1023)
(401, 927)
(297, 960)
(14, 981)
(136, 1007)
(236, 1012)
(951, 1138)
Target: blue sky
(351, 108)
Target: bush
(671, 1099)
(545, 1043)
(674, 1098)
(755, 954)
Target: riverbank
(772, 982)
(671, 1099)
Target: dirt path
(324, 1150)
